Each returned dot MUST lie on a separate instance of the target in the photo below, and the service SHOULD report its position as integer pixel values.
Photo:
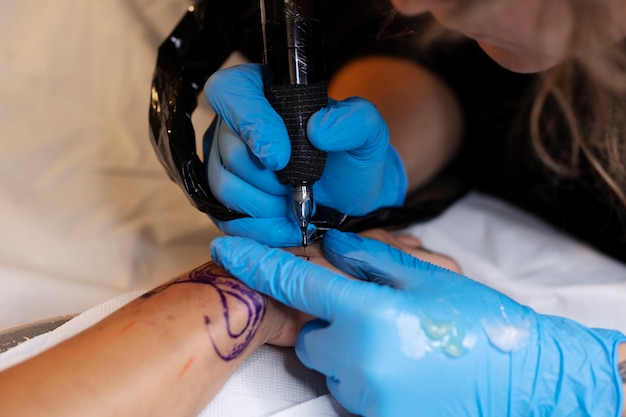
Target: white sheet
(87, 213)
(530, 261)
(504, 248)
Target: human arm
(166, 353)
(416, 337)
(422, 113)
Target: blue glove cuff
(613, 339)
(576, 371)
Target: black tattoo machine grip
(295, 104)
(296, 87)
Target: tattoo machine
(208, 33)
(296, 87)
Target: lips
(495, 41)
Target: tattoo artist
(412, 339)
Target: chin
(519, 62)
(407, 7)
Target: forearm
(423, 117)
(166, 353)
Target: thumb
(353, 124)
(285, 277)
(372, 260)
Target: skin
(173, 348)
(529, 36)
(410, 99)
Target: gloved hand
(249, 142)
(418, 340)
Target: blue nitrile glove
(363, 172)
(418, 340)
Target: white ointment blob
(419, 337)
(413, 341)
(508, 337)
(469, 341)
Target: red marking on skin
(186, 366)
(128, 327)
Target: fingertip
(346, 251)
(346, 125)
(216, 244)
(379, 262)
(303, 342)
(336, 241)
(220, 248)
(233, 76)
(268, 140)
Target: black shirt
(496, 157)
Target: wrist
(282, 324)
(240, 316)
(234, 315)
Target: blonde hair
(589, 92)
(585, 94)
